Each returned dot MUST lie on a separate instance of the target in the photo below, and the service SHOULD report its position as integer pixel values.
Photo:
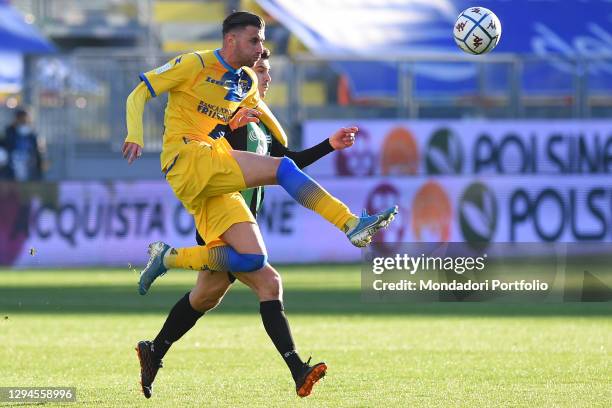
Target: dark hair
(21, 113)
(265, 54)
(242, 19)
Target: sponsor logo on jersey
(214, 111)
(224, 84)
(163, 68)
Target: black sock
(277, 327)
(181, 318)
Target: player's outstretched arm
(134, 110)
(341, 139)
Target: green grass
(78, 328)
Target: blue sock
(311, 195)
(298, 184)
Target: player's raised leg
(263, 170)
(207, 293)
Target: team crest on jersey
(244, 86)
(240, 86)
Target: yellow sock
(350, 223)
(194, 258)
(197, 258)
(316, 198)
(334, 211)
(310, 194)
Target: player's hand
(343, 138)
(244, 116)
(131, 151)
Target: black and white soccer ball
(477, 30)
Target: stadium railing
(78, 99)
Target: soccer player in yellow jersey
(205, 90)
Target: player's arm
(267, 118)
(134, 110)
(341, 139)
(243, 116)
(237, 138)
(172, 75)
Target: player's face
(249, 45)
(22, 119)
(262, 69)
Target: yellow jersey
(204, 91)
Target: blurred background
(514, 146)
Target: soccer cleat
(155, 267)
(312, 374)
(361, 235)
(149, 365)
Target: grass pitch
(79, 327)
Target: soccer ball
(477, 30)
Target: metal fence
(79, 99)
(59, 17)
